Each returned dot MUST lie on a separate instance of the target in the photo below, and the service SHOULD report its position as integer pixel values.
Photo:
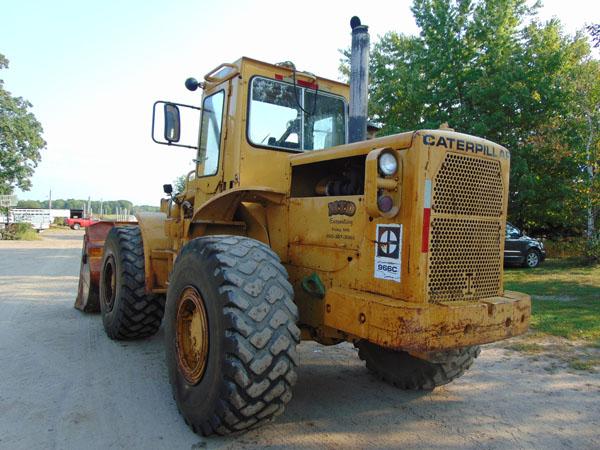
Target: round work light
(388, 164)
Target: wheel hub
(110, 283)
(192, 335)
(532, 259)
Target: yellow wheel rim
(192, 335)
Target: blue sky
(93, 69)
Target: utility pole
(50, 199)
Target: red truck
(77, 220)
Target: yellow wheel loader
(294, 226)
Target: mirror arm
(177, 145)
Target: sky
(93, 69)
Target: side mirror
(168, 189)
(172, 123)
(172, 132)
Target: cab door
(209, 160)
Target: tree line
(106, 207)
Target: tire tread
(408, 372)
(260, 352)
(140, 313)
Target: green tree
(58, 204)
(585, 118)
(33, 204)
(145, 208)
(179, 183)
(20, 140)
(594, 31)
(125, 204)
(489, 68)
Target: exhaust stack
(359, 81)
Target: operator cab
(288, 110)
(257, 113)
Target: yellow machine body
(424, 275)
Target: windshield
(512, 231)
(298, 119)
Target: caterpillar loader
(295, 227)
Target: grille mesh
(465, 260)
(468, 186)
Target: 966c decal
(388, 252)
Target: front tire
(230, 334)
(127, 311)
(76, 226)
(532, 259)
(405, 371)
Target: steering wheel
(293, 127)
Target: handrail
(308, 75)
(211, 78)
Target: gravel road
(65, 385)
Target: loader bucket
(88, 299)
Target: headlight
(388, 164)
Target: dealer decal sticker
(388, 252)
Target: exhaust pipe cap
(354, 22)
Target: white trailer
(40, 219)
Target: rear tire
(231, 353)
(76, 226)
(405, 371)
(127, 311)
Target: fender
(236, 211)
(222, 207)
(157, 251)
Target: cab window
(210, 134)
(282, 116)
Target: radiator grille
(469, 186)
(465, 260)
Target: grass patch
(584, 364)
(19, 232)
(555, 353)
(525, 347)
(28, 235)
(568, 297)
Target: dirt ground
(64, 385)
